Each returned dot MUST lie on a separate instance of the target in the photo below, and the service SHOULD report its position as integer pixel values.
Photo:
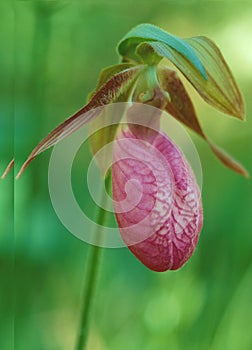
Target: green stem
(94, 260)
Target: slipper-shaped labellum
(157, 201)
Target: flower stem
(94, 260)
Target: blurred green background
(46, 74)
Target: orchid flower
(168, 217)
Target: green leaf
(127, 47)
(179, 105)
(220, 89)
(108, 93)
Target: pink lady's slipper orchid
(166, 214)
(156, 198)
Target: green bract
(148, 34)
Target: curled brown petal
(113, 88)
(179, 105)
(7, 170)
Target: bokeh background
(46, 73)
